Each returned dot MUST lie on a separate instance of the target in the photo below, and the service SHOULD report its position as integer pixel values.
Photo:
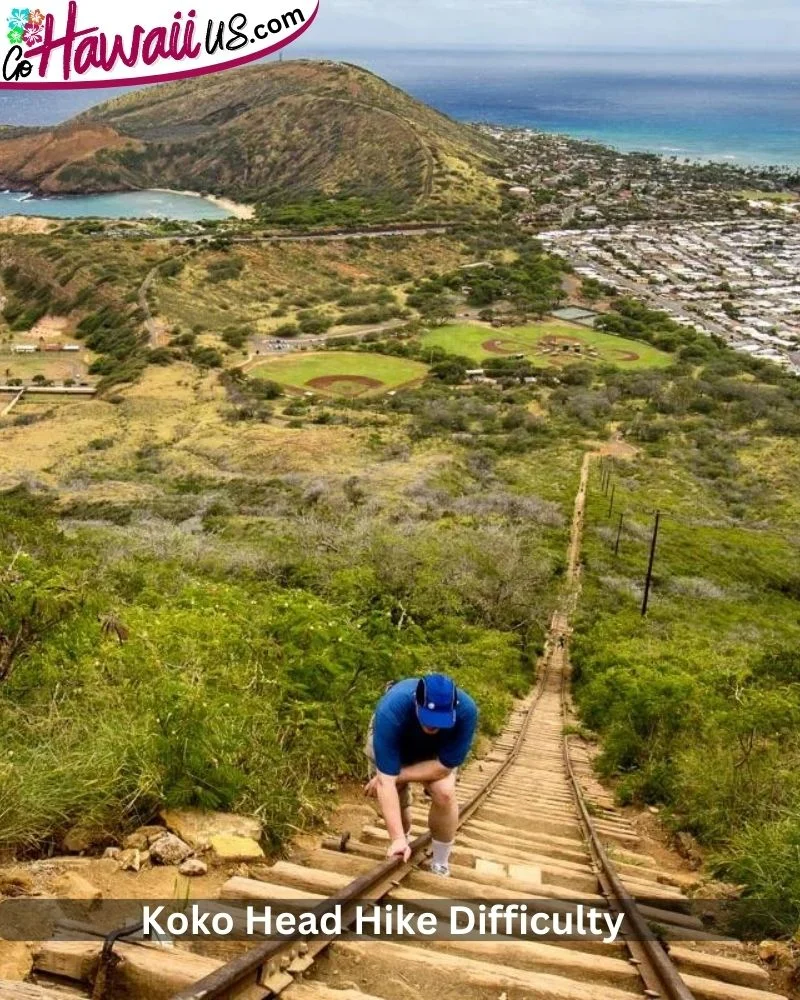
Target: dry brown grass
(181, 415)
(28, 224)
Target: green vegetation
(699, 702)
(754, 194)
(299, 371)
(355, 283)
(236, 667)
(560, 340)
(514, 284)
(73, 275)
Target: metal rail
(247, 969)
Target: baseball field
(340, 373)
(546, 343)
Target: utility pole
(619, 533)
(649, 577)
(611, 505)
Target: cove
(118, 205)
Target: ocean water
(125, 205)
(741, 107)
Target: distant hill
(271, 133)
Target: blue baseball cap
(437, 698)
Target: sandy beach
(234, 207)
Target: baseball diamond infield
(344, 385)
(545, 344)
(340, 373)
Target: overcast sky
(559, 24)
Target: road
(350, 234)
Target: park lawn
(468, 339)
(349, 367)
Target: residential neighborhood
(557, 180)
(737, 279)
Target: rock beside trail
(16, 883)
(72, 886)
(16, 960)
(775, 952)
(83, 838)
(689, 849)
(197, 827)
(132, 859)
(193, 867)
(142, 838)
(232, 848)
(169, 850)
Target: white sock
(441, 852)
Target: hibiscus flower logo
(25, 25)
(18, 19)
(32, 34)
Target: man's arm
(455, 746)
(389, 801)
(425, 770)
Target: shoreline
(236, 208)
(738, 161)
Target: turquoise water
(125, 205)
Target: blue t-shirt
(398, 738)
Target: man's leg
(443, 820)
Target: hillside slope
(268, 133)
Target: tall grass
(232, 677)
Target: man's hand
(399, 849)
(371, 787)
